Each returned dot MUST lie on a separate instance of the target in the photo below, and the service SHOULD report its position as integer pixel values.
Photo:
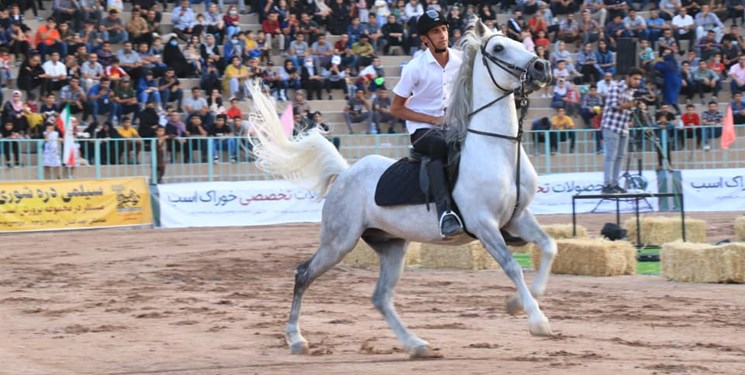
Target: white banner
(714, 189)
(215, 204)
(555, 193)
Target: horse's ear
(480, 28)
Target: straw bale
(740, 228)
(592, 257)
(364, 256)
(657, 230)
(704, 263)
(556, 231)
(471, 256)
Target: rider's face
(437, 37)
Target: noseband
(521, 73)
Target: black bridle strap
(483, 107)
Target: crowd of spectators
(122, 72)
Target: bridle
(521, 73)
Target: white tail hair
(308, 158)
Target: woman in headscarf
(210, 52)
(173, 57)
(672, 78)
(13, 112)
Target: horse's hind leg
(392, 253)
(332, 250)
(526, 226)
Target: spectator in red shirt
(691, 125)
(234, 111)
(273, 30)
(48, 38)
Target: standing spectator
(615, 124)
(161, 148)
(12, 135)
(100, 98)
(712, 119)
(113, 28)
(665, 124)
(358, 110)
(670, 71)
(125, 99)
(223, 138)
(183, 19)
(132, 142)
(196, 141)
(177, 133)
(563, 129)
(706, 81)
(691, 125)
(381, 107)
(74, 95)
(52, 161)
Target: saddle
(406, 182)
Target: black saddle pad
(399, 185)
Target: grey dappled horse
(486, 191)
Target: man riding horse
(421, 97)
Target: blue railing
(229, 158)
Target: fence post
(210, 163)
(154, 160)
(97, 156)
(40, 159)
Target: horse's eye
(498, 48)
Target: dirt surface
(215, 301)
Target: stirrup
(442, 221)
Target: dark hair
(713, 102)
(222, 116)
(690, 106)
(633, 71)
(125, 119)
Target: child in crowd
(5, 68)
(52, 161)
(193, 57)
(160, 150)
(717, 65)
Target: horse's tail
(309, 159)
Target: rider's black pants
(431, 142)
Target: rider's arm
(399, 110)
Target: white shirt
(52, 69)
(603, 87)
(427, 85)
(681, 22)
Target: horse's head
(509, 64)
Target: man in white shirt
(605, 84)
(420, 98)
(55, 73)
(685, 28)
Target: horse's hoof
(424, 352)
(513, 305)
(299, 348)
(541, 329)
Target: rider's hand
(437, 121)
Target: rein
(521, 74)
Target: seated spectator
(707, 46)
(370, 77)
(668, 8)
(712, 119)
(322, 51)
(196, 105)
(737, 75)
(289, 78)
(656, 25)
(587, 65)
(147, 88)
(614, 30)
(100, 101)
(335, 78)
(235, 78)
(716, 66)
(635, 25)
(223, 138)
(183, 18)
(311, 79)
(91, 71)
(233, 111)
(31, 74)
(664, 129)
(358, 110)
(646, 55)
(563, 127)
(684, 27)
(48, 39)
(215, 23)
(173, 57)
(730, 53)
(138, 29)
(343, 48)
(210, 52)
(170, 90)
(113, 28)
(308, 27)
(649, 94)
(691, 125)
(300, 104)
(706, 81)
(667, 41)
(393, 34)
(605, 58)
(706, 21)
(132, 142)
(273, 31)
(565, 96)
(55, 73)
(364, 51)
(74, 95)
(591, 106)
(738, 108)
(125, 99)
(569, 29)
(298, 49)
(130, 61)
(381, 106)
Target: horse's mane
(460, 102)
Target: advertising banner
(213, 204)
(714, 189)
(74, 204)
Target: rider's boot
(450, 223)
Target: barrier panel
(216, 204)
(80, 204)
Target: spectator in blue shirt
(99, 99)
(148, 88)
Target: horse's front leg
(488, 232)
(526, 226)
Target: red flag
(728, 129)
(287, 120)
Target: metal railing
(229, 158)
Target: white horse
(486, 191)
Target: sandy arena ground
(215, 301)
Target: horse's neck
(500, 117)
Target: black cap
(429, 20)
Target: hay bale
(364, 256)
(471, 256)
(740, 228)
(703, 263)
(657, 230)
(556, 231)
(592, 257)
